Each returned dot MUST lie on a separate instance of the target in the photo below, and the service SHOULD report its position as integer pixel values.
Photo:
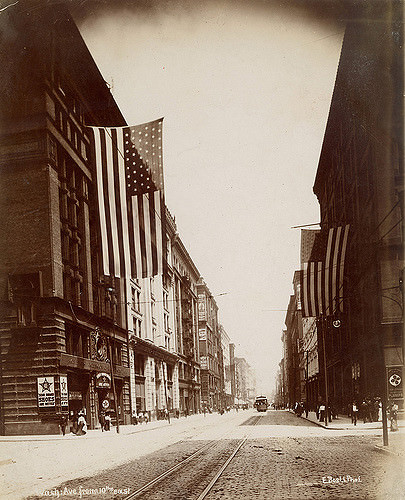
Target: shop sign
(103, 380)
(105, 404)
(202, 313)
(394, 376)
(202, 333)
(64, 396)
(203, 362)
(75, 395)
(46, 391)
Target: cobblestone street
(284, 457)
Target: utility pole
(323, 328)
(164, 383)
(113, 388)
(306, 384)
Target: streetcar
(261, 403)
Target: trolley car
(261, 403)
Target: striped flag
(322, 277)
(130, 191)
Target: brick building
(185, 280)
(61, 319)
(210, 347)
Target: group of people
(300, 408)
(370, 410)
(105, 421)
(78, 419)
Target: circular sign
(395, 379)
(105, 404)
(337, 323)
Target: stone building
(61, 320)
(360, 182)
(293, 346)
(226, 355)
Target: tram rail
(146, 490)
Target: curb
(321, 425)
(95, 434)
(337, 428)
(384, 449)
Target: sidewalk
(345, 423)
(94, 433)
(31, 464)
(396, 440)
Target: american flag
(322, 277)
(130, 190)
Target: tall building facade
(245, 382)
(309, 345)
(62, 323)
(185, 280)
(210, 347)
(226, 356)
(360, 182)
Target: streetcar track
(185, 461)
(229, 460)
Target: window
(25, 313)
(137, 327)
(136, 299)
(139, 365)
(166, 300)
(76, 342)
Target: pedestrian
(322, 410)
(63, 423)
(394, 417)
(134, 418)
(355, 412)
(81, 425)
(146, 417)
(102, 421)
(380, 411)
(107, 424)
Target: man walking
(355, 411)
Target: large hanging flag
(130, 190)
(323, 276)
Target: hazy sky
(245, 91)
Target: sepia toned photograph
(202, 249)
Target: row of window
(77, 343)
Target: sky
(244, 89)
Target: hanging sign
(103, 380)
(46, 391)
(64, 396)
(394, 375)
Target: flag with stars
(130, 189)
